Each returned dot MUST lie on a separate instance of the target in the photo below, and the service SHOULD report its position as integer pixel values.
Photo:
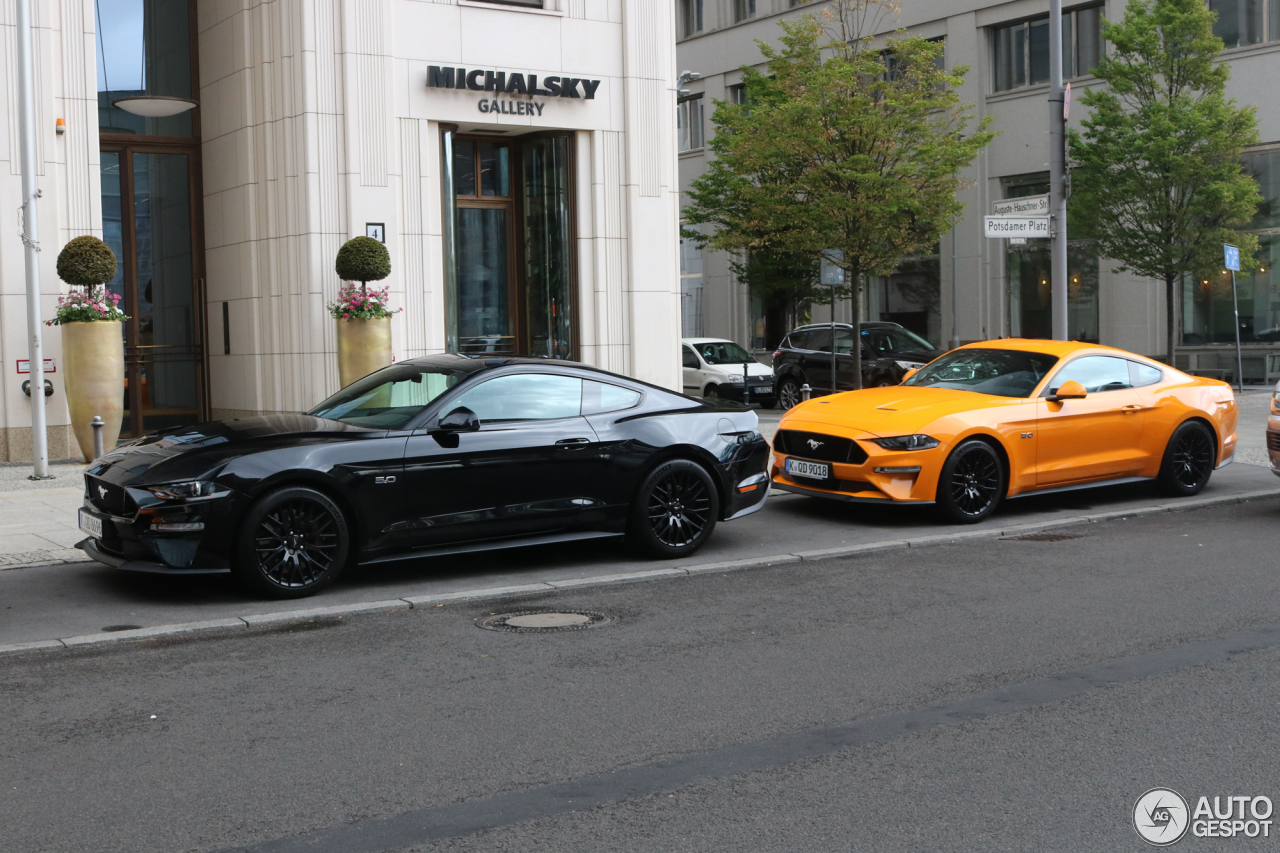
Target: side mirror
(912, 372)
(1069, 390)
(460, 419)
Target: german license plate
(812, 470)
(91, 524)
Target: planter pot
(93, 358)
(363, 347)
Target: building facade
(974, 288)
(517, 158)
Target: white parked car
(718, 368)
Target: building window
(691, 16)
(689, 123)
(1244, 22)
(1022, 49)
(737, 94)
(1208, 315)
(743, 10)
(690, 288)
(892, 64)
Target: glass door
(147, 194)
(483, 225)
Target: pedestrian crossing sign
(1232, 259)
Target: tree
(363, 259)
(843, 152)
(1156, 176)
(86, 261)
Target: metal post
(1235, 301)
(833, 339)
(955, 297)
(98, 446)
(1057, 174)
(806, 393)
(30, 236)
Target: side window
(844, 341)
(690, 359)
(1097, 373)
(524, 397)
(818, 339)
(1144, 374)
(601, 397)
(798, 340)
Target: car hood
(199, 450)
(896, 410)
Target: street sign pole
(30, 237)
(1231, 256)
(1057, 173)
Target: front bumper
(131, 543)
(862, 483)
(754, 393)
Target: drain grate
(110, 629)
(1046, 537)
(544, 621)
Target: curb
(438, 599)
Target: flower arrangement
(361, 303)
(87, 305)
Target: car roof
(706, 341)
(483, 361)
(870, 324)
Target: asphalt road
(990, 695)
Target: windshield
(886, 342)
(725, 352)
(388, 399)
(1001, 372)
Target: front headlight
(1275, 403)
(191, 490)
(908, 442)
(735, 378)
(909, 365)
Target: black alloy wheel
(788, 394)
(768, 403)
(972, 483)
(674, 510)
(1188, 460)
(293, 543)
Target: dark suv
(804, 356)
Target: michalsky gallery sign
(510, 83)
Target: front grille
(815, 445)
(109, 497)
(1273, 440)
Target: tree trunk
(855, 310)
(1171, 315)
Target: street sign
(1032, 205)
(829, 272)
(1017, 241)
(1016, 226)
(1066, 103)
(24, 365)
(1232, 258)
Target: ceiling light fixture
(154, 106)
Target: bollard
(805, 391)
(97, 423)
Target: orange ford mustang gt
(1004, 418)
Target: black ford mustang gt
(438, 455)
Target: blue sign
(1232, 258)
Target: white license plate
(91, 524)
(813, 470)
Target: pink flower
(346, 316)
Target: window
(886, 343)
(1022, 49)
(892, 64)
(1001, 372)
(689, 123)
(388, 399)
(1244, 22)
(691, 16)
(690, 288)
(737, 94)
(690, 359)
(524, 397)
(1141, 375)
(725, 352)
(1097, 373)
(601, 397)
(743, 9)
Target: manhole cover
(114, 628)
(544, 621)
(1046, 537)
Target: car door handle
(573, 443)
(1131, 410)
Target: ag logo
(814, 444)
(1161, 816)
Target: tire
(712, 392)
(972, 483)
(788, 394)
(293, 542)
(769, 403)
(674, 510)
(1188, 460)
(883, 382)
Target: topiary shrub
(86, 261)
(363, 259)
